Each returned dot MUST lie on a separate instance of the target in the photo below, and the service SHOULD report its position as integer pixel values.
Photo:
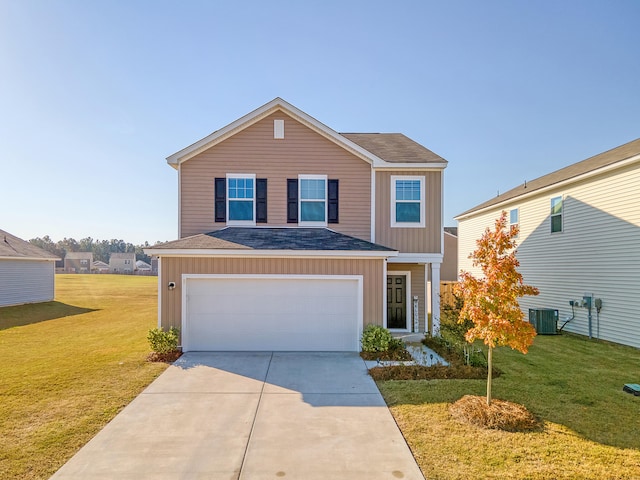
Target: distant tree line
(101, 249)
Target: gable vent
(278, 129)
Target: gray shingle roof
(394, 147)
(78, 255)
(274, 239)
(604, 159)
(12, 246)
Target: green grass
(69, 366)
(591, 427)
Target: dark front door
(396, 301)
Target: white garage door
(279, 313)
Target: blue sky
(95, 95)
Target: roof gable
(14, 247)
(395, 148)
(572, 172)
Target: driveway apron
(252, 415)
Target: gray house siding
(26, 281)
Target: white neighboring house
(143, 266)
(27, 272)
(579, 241)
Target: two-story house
(579, 242)
(122, 263)
(78, 262)
(294, 236)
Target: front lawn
(591, 427)
(69, 366)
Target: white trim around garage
(358, 320)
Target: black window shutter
(261, 200)
(292, 200)
(332, 188)
(220, 192)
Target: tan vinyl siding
(410, 240)
(597, 252)
(449, 270)
(417, 288)
(174, 267)
(254, 150)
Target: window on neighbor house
(514, 218)
(556, 214)
(312, 195)
(407, 201)
(83, 261)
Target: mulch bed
(500, 415)
(399, 355)
(168, 357)
(436, 372)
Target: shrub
(163, 342)
(378, 339)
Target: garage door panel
(272, 314)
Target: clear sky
(94, 95)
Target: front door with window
(396, 301)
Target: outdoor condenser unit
(544, 320)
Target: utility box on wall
(544, 320)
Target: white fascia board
(193, 252)
(417, 258)
(382, 166)
(257, 115)
(31, 259)
(558, 185)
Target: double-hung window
(407, 201)
(556, 214)
(241, 205)
(514, 219)
(312, 197)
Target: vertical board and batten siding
(598, 252)
(26, 281)
(174, 267)
(417, 289)
(254, 150)
(410, 240)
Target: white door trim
(409, 303)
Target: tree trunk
(490, 371)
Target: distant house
(143, 266)
(579, 242)
(449, 271)
(122, 263)
(27, 272)
(78, 262)
(100, 267)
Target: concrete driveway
(256, 415)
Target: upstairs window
(407, 201)
(313, 200)
(514, 219)
(556, 214)
(240, 199)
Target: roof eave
(249, 119)
(210, 252)
(546, 188)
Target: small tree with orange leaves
(491, 302)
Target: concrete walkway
(256, 415)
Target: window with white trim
(241, 196)
(312, 203)
(514, 219)
(407, 201)
(556, 214)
